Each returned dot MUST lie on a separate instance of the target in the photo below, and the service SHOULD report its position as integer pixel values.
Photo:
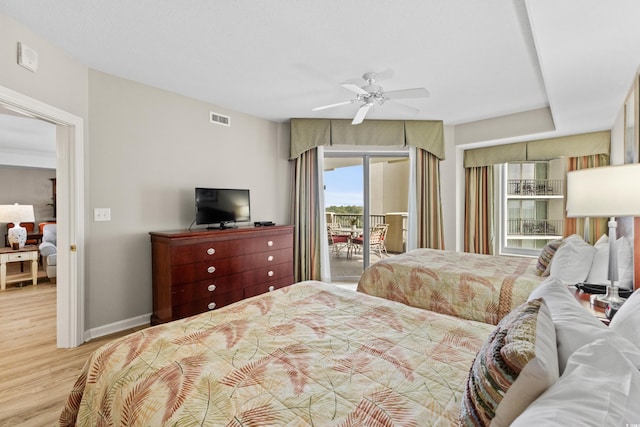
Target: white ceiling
(278, 59)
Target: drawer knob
(211, 251)
(272, 288)
(270, 243)
(211, 305)
(270, 258)
(211, 288)
(270, 273)
(211, 269)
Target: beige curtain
(478, 210)
(306, 211)
(428, 201)
(597, 226)
(311, 133)
(585, 144)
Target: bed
(308, 354)
(316, 354)
(471, 286)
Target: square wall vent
(219, 119)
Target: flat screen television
(222, 206)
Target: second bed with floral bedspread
(470, 286)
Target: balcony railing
(535, 187)
(346, 220)
(534, 227)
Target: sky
(343, 186)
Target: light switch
(102, 214)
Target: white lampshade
(603, 192)
(607, 191)
(16, 214)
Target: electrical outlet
(102, 214)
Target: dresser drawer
(251, 291)
(203, 270)
(204, 289)
(267, 243)
(266, 274)
(21, 256)
(206, 304)
(265, 259)
(187, 254)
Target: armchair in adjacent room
(48, 250)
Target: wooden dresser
(200, 270)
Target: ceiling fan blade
(338, 104)
(362, 111)
(354, 88)
(418, 92)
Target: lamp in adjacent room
(16, 214)
(606, 191)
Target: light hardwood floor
(35, 376)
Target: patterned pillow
(515, 365)
(544, 260)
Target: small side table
(28, 253)
(585, 300)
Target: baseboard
(112, 328)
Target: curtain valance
(585, 144)
(310, 133)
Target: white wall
(617, 139)
(60, 80)
(448, 187)
(149, 150)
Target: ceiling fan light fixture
(370, 93)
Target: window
(532, 196)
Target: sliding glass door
(366, 208)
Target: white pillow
(600, 387)
(599, 272)
(574, 325)
(626, 322)
(572, 261)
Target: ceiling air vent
(219, 119)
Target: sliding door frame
(366, 155)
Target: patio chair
(337, 240)
(377, 235)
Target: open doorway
(70, 211)
(366, 208)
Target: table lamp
(16, 214)
(605, 192)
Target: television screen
(222, 205)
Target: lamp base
(611, 297)
(17, 234)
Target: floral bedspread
(308, 354)
(470, 286)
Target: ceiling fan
(371, 94)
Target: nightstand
(585, 300)
(27, 253)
